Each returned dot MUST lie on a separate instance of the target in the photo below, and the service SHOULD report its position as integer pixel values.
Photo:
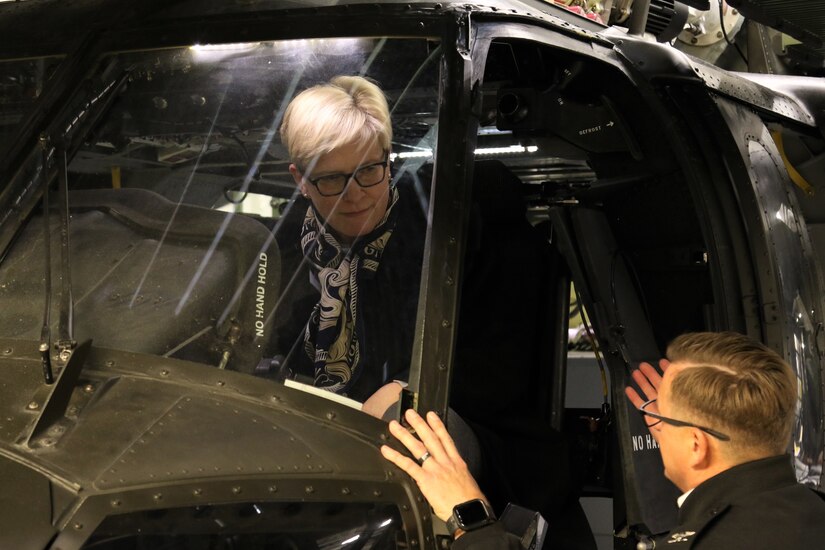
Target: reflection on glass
(791, 255)
(186, 222)
(21, 83)
(806, 435)
(254, 525)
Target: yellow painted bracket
(115, 177)
(796, 177)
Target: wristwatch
(470, 515)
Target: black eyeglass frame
(678, 423)
(352, 176)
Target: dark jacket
(756, 505)
(388, 301)
(491, 537)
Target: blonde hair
(347, 109)
(738, 386)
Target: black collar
(735, 484)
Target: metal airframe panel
(790, 297)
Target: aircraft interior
(597, 202)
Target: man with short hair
(722, 415)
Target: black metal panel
(789, 288)
(802, 19)
(666, 19)
(25, 523)
(146, 433)
(50, 27)
(620, 319)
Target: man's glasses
(366, 176)
(678, 423)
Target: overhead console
(540, 93)
(594, 126)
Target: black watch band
(470, 515)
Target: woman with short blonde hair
(347, 109)
(362, 259)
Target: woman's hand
(378, 403)
(442, 475)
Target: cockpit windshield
(21, 83)
(186, 214)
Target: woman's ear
(296, 174)
(299, 179)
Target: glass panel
(262, 525)
(187, 224)
(21, 83)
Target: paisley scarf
(333, 338)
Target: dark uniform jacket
(756, 505)
(491, 537)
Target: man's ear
(701, 451)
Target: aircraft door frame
(755, 233)
(434, 344)
(636, 497)
(789, 285)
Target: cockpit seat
(503, 360)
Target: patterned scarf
(334, 332)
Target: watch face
(471, 514)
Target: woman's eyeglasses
(368, 175)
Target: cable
(725, 33)
(591, 335)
